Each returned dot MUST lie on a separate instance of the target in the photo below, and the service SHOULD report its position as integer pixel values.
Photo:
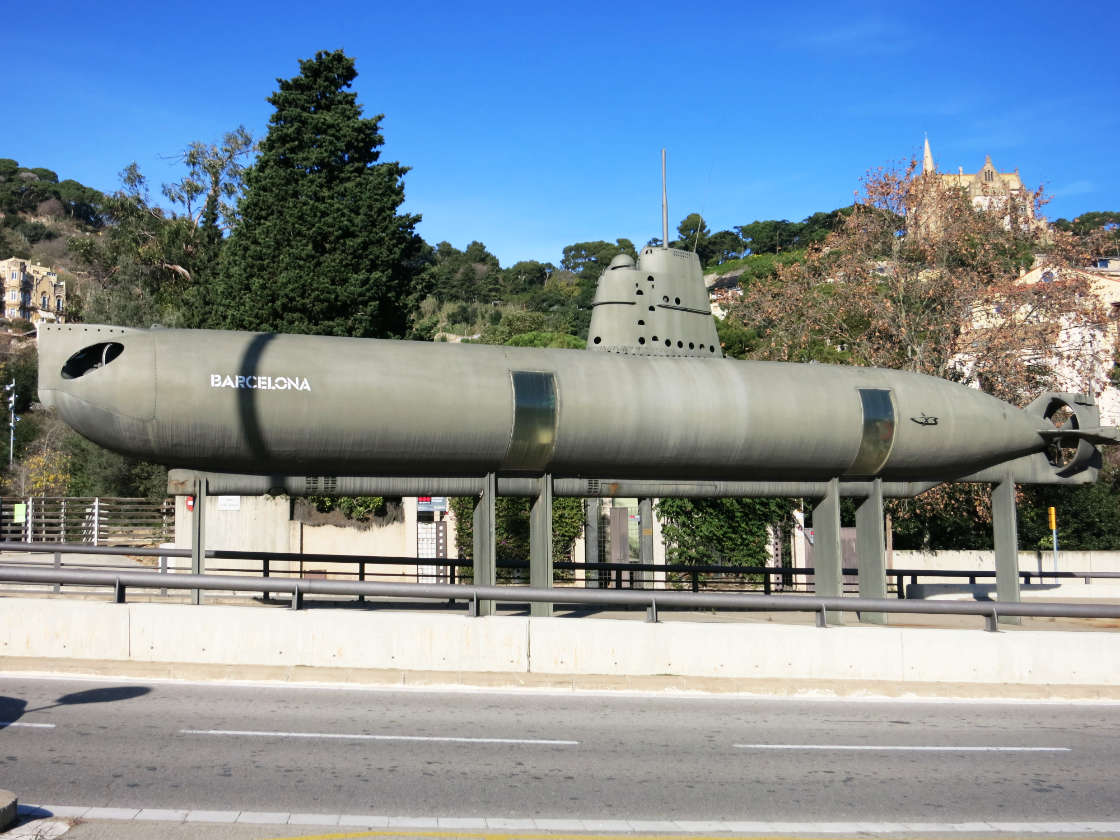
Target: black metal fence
(619, 576)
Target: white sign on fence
(229, 503)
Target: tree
(146, 267)
(724, 246)
(472, 276)
(319, 246)
(214, 180)
(588, 260)
(1097, 232)
(695, 236)
(916, 278)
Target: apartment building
(32, 291)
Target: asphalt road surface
(563, 756)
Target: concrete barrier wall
(233, 635)
(1029, 561)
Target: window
(43, 302)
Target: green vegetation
(319, 246)
(735, 532)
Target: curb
(8, 808)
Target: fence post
(28, 527)
(96, 520)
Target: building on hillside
(1081, 353)
(990, 190)
(1095, 345)
(32, 292)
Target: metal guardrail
(615, 572)
(652, 600)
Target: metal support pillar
(1005, 533)
(591, 578)
(485, 549)
(827, 555)
(198, 535)
(540, 545)
(645, 539)
(871, 548)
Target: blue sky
(532, 126)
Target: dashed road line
(250, 733)
(897, 748)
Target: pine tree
(319, 246)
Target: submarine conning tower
(655, 307)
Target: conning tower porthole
(91, 358)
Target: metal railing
(619, 575)
(652, 600)
(97, 521)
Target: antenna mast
(664, 205)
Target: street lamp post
(11, 389)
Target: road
(533, 755)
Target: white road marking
(7, 723)
(896, 747)
(505, 824)
(248, 733)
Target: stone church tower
(992, 191)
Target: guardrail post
(198, 535)
(264, 573)
(118, 591)
(828, 578)
(361, 579)
(485, 550)
(651, 612)
(163, 571)
(991, 621)
(540, 545)
(57, 566)
(871, 550)
(297, 597)
(1006, 545)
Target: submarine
(651, 398)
